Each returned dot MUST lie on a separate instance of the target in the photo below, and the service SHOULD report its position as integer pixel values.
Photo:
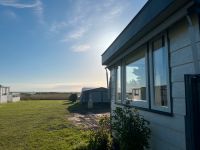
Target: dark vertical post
(192, 118)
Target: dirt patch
(86, 121)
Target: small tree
(131, 130)
(73, 97)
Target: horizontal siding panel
(165, 121)
(158, 143)
(181, 56)
(164, 135)
(178, 90)
(178, 72)
(179, 36)
(179, 106)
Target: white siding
(15, 99)
(3, 98)
(168, 132)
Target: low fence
(45, 96)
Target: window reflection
(160, 73)
(136, 79)
(118, 96)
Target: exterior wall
(96, 96)
(168, 132)
(12, 98)
(9, 98)
(3, 99)
(15, 99)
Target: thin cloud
(14, 3)
(81, 48)
(75, 35)
(38, 9)
(78, 33)
(58, 26)
(36, 6)
(10, 14)
(87, 17)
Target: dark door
(192, 118)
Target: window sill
(147, 109)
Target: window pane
(160, 74)
(118, 98)
(136, 79)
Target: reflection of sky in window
(118, 79)
(160, 77)
(135, 75)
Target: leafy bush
(73, 97)
(100, 139)
(130, 129)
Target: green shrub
(100, 139)
(73, 97)
(130, 129)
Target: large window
(160, 73)
(136, 77)
(143, 77)
(118, 84)
(160, 99)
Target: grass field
(38, 125)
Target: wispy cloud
(14, 3)
(58, 26)
(81, 48)
(78, 33)
(36, 5)
(10, 14)
(75, 34)
(38, 9)
(87, 17)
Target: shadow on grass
(68, 103)
(98, 108)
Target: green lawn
(38, 125)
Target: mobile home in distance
(149, 63)
(95, 95)
(6, 96)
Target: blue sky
(56, 45)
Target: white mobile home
(148, 62)
(6, 96)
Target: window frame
(131, 58)
(151, 73)
(119, 101)
(147, 105)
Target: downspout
(108, 85)
(194, 47)
(107, 77)
(195, 9)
